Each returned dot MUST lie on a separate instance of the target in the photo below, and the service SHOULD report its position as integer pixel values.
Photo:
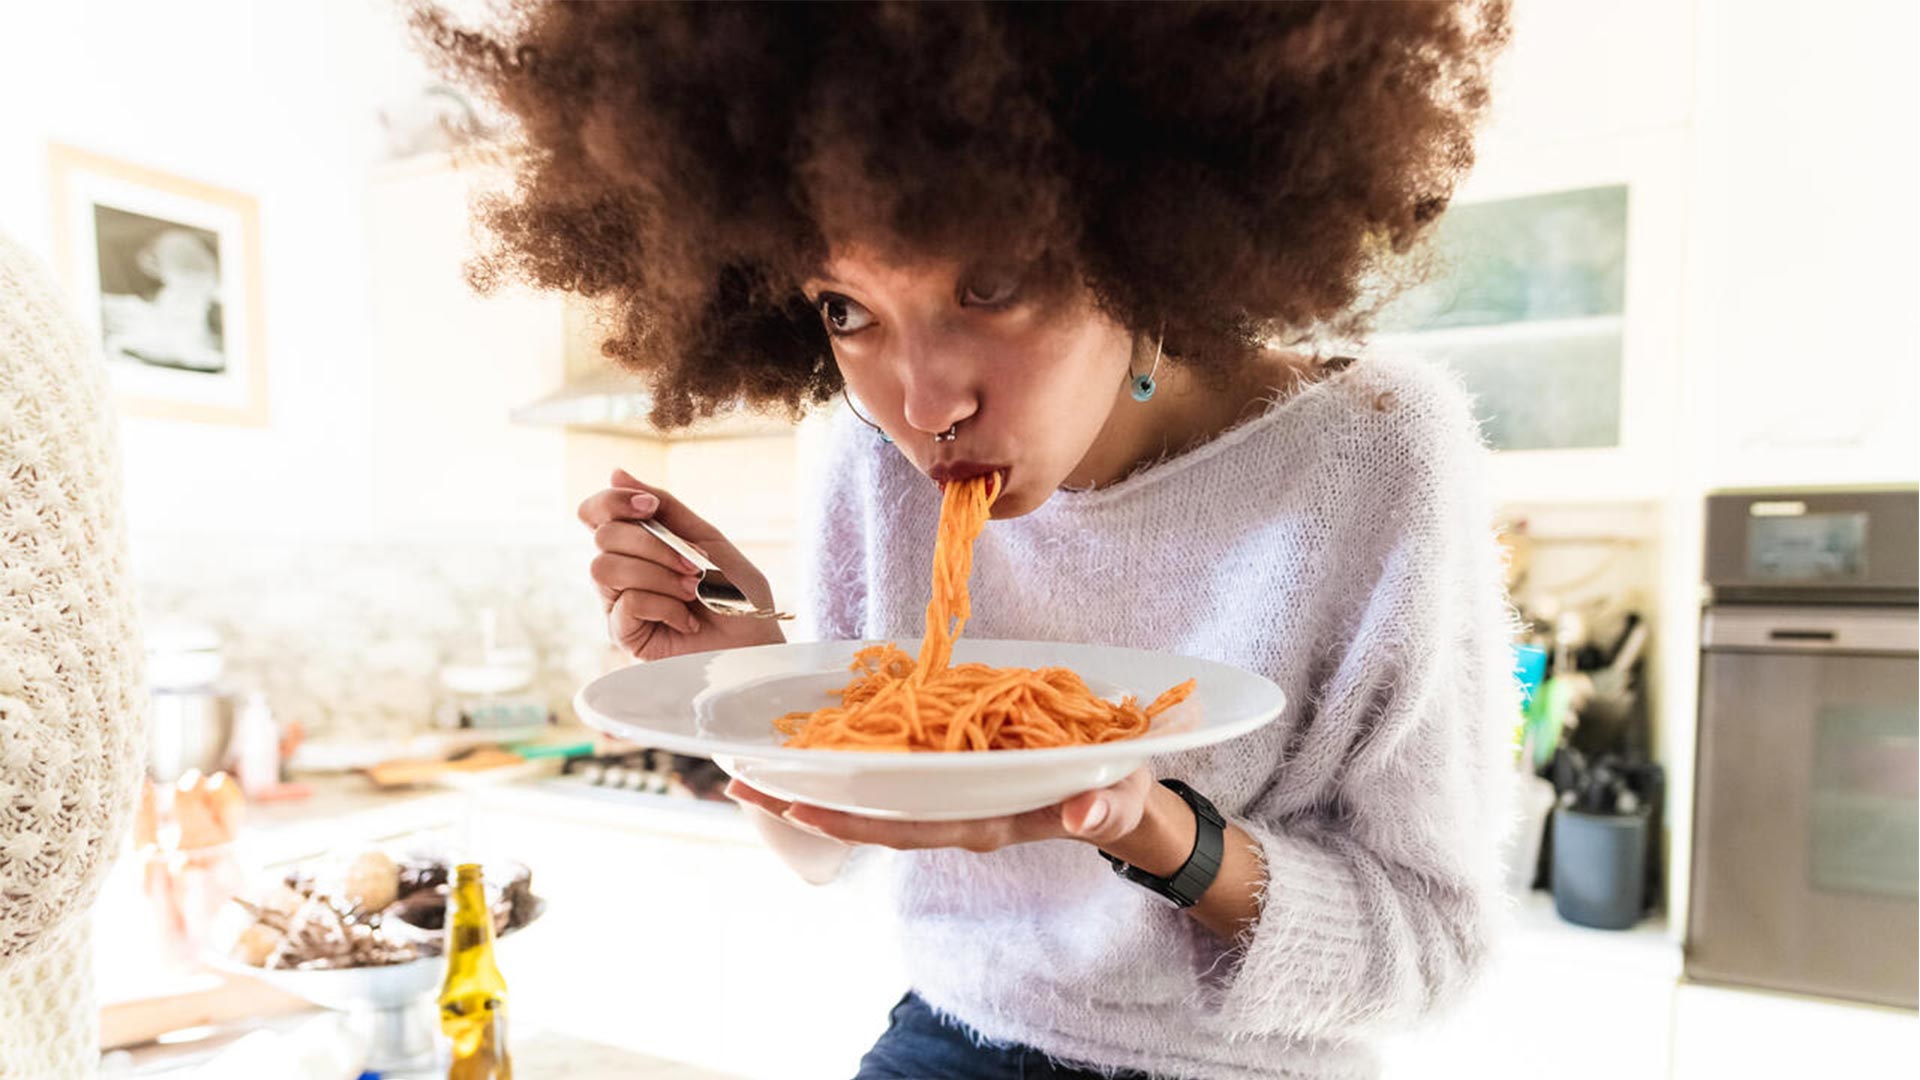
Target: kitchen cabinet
(1573, 1004)
(1769, 333)
(1725, 1032)
(1575, 183)
(1557, 1000)
(693, 944)
(1806, 267)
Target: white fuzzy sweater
(72, 730)
(1341, 544)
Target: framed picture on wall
(167, 270)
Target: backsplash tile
(348, 637)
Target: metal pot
(189, 729)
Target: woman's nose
(937, 391)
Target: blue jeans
(918, 1045)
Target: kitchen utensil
(257, 747)
(722, 704)
(1521, 851)
(1530, 667)
(213, 999)
(716, 591)
(1599, 867)
(483, 764)
(188, 729)
(497, 659)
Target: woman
(1085, 246)
(72, 725)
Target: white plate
(722, 705)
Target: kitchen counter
(1539, 934)
(542, 1053)
(670, 928)
(536, 1052)
(345, 812)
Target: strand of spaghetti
(898, 702)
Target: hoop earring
(844, 396)
(1144, 385)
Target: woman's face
(926, 346)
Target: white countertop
(346, 811)
(536, 1053)
(1539, 933)
(645, 835)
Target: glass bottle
(473, 999)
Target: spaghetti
(898, 702)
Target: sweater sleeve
(72, 728)
(1380, 828)
(833, 546)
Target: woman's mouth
(954, 471)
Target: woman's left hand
(1103, 817)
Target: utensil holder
(1599, 867)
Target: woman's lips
(947, 471)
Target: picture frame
(167, 272)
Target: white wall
(274, 100)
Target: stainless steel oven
(1806, 843)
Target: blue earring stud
(1143, 385)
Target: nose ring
(948, 435)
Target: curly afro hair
(1232, 175)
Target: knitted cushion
(72, 729)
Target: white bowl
(722, 705)
(383, 986)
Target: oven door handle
(1781, 628)
(1780, 633)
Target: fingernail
(687, 564)
(693, 623)
(1096, 814)
(645, 503)
(690, 586)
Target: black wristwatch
(1190, 882)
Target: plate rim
(1153, 744)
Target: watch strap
(1187, 884)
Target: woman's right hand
(647, 589)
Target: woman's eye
(990, 291)
(843, 316)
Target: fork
(715, 591)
